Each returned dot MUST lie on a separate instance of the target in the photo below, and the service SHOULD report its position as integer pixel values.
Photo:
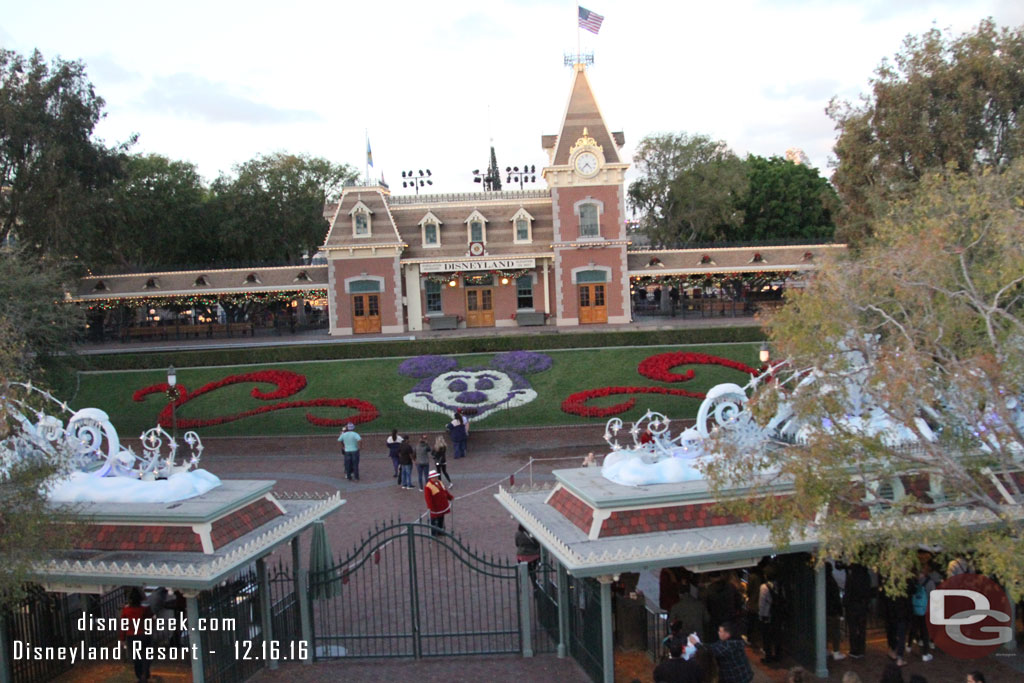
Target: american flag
(590, 20)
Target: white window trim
(423, 288)
(430, 218)
(579, 227)
(522, 213)
(368, 212)
(359, 278)
(533, 283)
(606, 269)
(475, 216)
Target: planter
(530, 319)
(443, 322)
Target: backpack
(919, 600)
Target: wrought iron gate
(402, 592)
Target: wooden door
(365, 313)
(479, 307)
(593, 308)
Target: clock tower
(587, 181)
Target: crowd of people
(430, 459)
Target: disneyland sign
(492, 264)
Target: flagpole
(366, 161)
(578, 57)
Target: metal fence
(52, 620)
(403, 592)
(232, 655)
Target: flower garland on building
(288, 384)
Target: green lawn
(378, 382)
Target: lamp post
(172, 394)
(410, 179)
(765, 354)
(491, 178)
(514, 175)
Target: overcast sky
(217, 83)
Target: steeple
(582, 112)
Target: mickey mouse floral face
(477, 392)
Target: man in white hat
(350, 447)
(439, 502)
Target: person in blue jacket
(458, 430)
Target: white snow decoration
(481, 392)
(80, 487)
(91, 464)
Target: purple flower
(427, 366)
(521, 362)
(472, 397)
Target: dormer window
(430, 230)
(303, 276)
(252, 279)
(151, 283)
(476, 228)
(100, 286)
(201, 281)
(362, 220)
(522, 227)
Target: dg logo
(969, 616)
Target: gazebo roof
(595, 527)
(235, 524)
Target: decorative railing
(501, 195)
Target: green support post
(563, 611)
(195, 637)
(607, 641)
(266, 604)
(302, 596)
(525, 614)
(820, 631)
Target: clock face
(476, 248)
(586, 163)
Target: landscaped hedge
(455, 345)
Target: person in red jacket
(139, 620)
(439, 502)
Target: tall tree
(785, 200)
(32, 305)
(944, 100)
(922, 330)
(49, 164)
(273, 208)
(688, 189)
(153, 216)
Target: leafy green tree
(785, 200)
(32, 305)
(154, 216)
(932, 306)
(49, 164)
(944, 100)
(688, 189)
(273, 209)
(34, 327)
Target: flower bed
(287, 383)
(659, 368)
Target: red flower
(288, 383)
(656, 367)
